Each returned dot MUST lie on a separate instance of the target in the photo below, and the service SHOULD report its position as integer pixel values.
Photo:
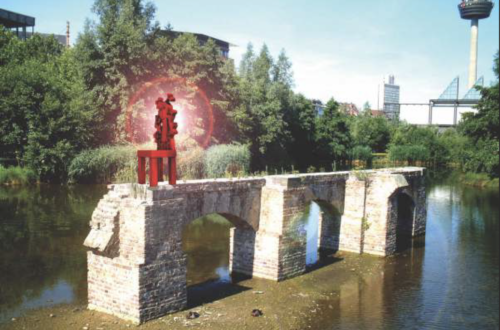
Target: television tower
(474, 10)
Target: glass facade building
(391, 99)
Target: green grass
(16, 175)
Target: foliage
(227, 159)
(16, 175)
(118, 163)
(373, 132)
(481, 130)
(260, 116)
(64, 110)
(125, 49)
(413, 143)
(301, 119)
(190, 160)
(363, 153)
(101, 165)
(409, 153)
(482, 180)
(480, 157)
(44, 116)
(333, 137)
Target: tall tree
(333, 137)
(262, 67)
(247, 62)
(125, 49)
(44, 116)
(112, 52)
(481, 130)
(301, 121)
(261, 113)
(282, 70)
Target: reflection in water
(311, 227)
(447, 280)
(42, 259)
(404, 222)
(206, 243)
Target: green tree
(420, 143)
(301, 120)
(281, 72)
(333, 136)
(44, 117)
(481, 130)
(247, 62)
(111, 54)
(373, 132)
(125, 49)
(261, 115)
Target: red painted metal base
(156, 166)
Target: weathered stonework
(137, 268)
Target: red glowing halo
(140, 93)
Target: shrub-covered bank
(480, 180)
(16, 175)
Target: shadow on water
(213, 290)
(326, 258)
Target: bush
(16, 175)
(362, 153)
(190, 164)
(481, 157)
(104, 165)
(409, 153)
(223, 160)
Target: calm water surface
(449, 280)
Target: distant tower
(474, 10)
(391, 99)
(67, 34)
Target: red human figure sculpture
(164, 136)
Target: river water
(448, 280)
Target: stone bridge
(136, 265)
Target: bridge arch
(329, 224)
(216, 247)
(402, 214)
(241, 239)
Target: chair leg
(153, 172)
(172, 171)
(141, 170)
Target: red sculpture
(166, 129)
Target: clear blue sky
(338, 48)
